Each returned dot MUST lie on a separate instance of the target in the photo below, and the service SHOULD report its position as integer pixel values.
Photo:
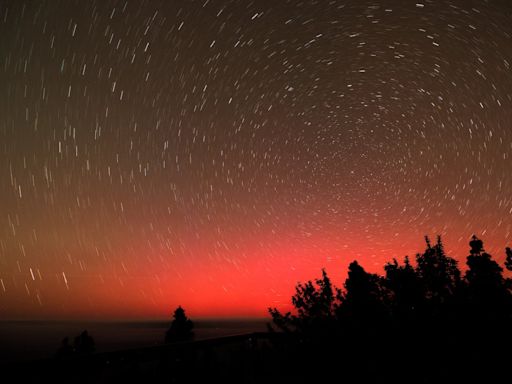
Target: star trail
(213, 153)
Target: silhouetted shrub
(83, 345)
(66, 349)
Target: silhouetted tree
(487, 290)
(84, 344)
(440, 276)
(508, 261)
(315, 304)
(405, 289)
(427, 316)
(181, 327)
(363, 301)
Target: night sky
(214, 153)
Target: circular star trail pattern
(213, 153)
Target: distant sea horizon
(37, 339)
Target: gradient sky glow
(214, 153)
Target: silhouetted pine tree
(439, 275)
(181, 327)
(405, 290)
(488, 295)
(363, 301)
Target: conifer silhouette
(363, 300)
(405, 289)
(181, 327)
(487, 291)
(439, 274)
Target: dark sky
(213, 153)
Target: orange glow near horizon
(220, 289)
(213, 154)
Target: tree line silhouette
(421, 321)
(424, 322)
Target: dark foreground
(355, 357)
(34, 340)
(245, 358)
